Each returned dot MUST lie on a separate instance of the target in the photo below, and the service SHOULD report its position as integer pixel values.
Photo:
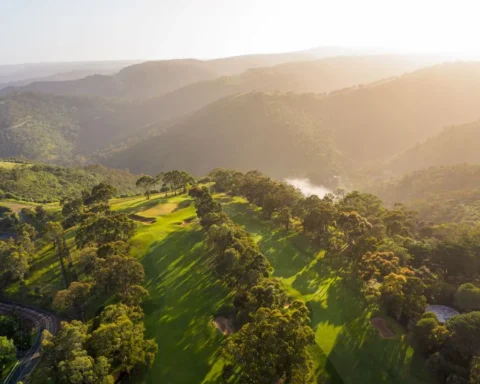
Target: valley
(283, 218)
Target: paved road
(42, 320)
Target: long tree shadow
(338, 306)
(144, 205)
(358, 353)
(362, 356)
(288, 252)
(184, 296)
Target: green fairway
(184, 292)
(185, 295)
(340, 317)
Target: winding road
(42, 320)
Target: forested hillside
(59, 128)
(453, 145)
(368, 123)
(421, 183)
(439, 194)
(274, 132)
(46, 183)
(364, 123)
(382, 120)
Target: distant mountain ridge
(137, 81)
(312, 76)
(26, 73)
(157, 78)
(362, 123)
(221, 120)
(154, 78)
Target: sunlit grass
(184, 292)
(340, 316)
(8, 164)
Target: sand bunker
(187, 221)
(381, 325)
(159, 210)
(224, 324)
(142, 219)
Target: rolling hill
(316, 76)
(22, 74)
(346, 127)
(58, 129)
(453, 145)
(139, 80)
(384, 119)
(43, 183)
(362, 123)
(440, 194)
(143, 80)
(273, 132)
(157, 78)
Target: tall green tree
(467, 297)
(66, 357)
(55, 232)
(100, 194)
(105, 229)
(121, 338)
(147, 183)
(7, 352)
(74, 299)
(272, 346)
(122, 276)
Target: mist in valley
(307, 188)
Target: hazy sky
(72, 30)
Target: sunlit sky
(77, 30)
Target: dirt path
(382, 327)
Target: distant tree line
(174, 181)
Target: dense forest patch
(47, 183)
(348, 347)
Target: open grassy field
(8, 164)
(16, 206)
(340, 317)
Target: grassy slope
(185, 294)
(356, 354)
(8, 164)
